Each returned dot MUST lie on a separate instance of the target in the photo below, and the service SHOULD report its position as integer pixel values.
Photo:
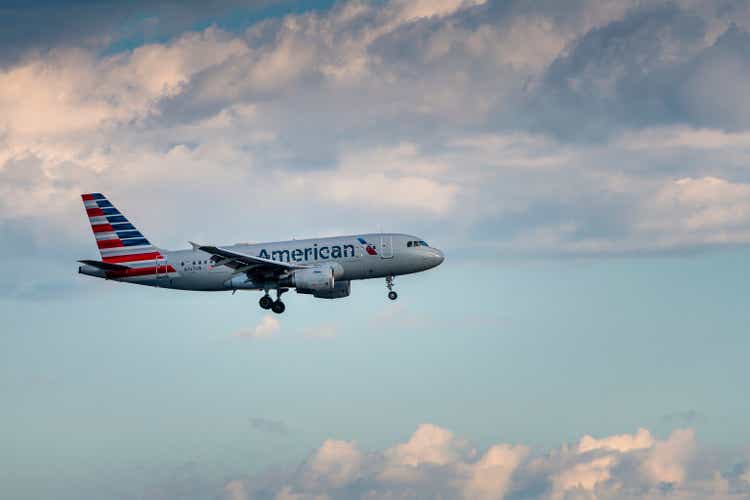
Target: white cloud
(690, 210)
(665, 462)
(410, 10)
(72, 91)
(684, 138)
(429, 445)
(236, 490)
(433, 463)
(583, 476)
(334, 465)
(490, 477)
(268, 327)
(623, 442)
(396, 178)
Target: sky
(581, 163)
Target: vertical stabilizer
(119, 241)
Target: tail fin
(118, 240)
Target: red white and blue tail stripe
(120, 242)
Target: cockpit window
(420, 243)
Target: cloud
(110, 25)
(236, 490)
(666, 462)
(411, 10)
(658, 65)
(334, 465)
(73, 91)
(429, 444)
(268, 327)
(434, 463)
(498, 128)
(711, 210)
(269, 426)
(623, 443)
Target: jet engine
(314, 278)
(340, 289)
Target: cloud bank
(499, 128)
(434, 463)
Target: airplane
(321, 267)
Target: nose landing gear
(389, 284)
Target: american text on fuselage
(321, 267)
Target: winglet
(196, 246)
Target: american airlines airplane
(321, 267)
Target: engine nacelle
(340, 289)
(317, 278)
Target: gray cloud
(660, 65)
(269, 426)
(110, 24)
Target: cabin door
(386, 247)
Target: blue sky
(582, 164)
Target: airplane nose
(435, 257)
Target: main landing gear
(389, 284)
(277, 306)
(265, 302)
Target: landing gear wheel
(266, 302)
(278, 307)
(389, 285)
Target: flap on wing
(104, 266)
(228, 256)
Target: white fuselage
(380, 255)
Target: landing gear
(389, 285)
(278, 306)
(266, 302)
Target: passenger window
(408, 243)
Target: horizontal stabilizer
(104, 266)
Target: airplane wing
(250, 264)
